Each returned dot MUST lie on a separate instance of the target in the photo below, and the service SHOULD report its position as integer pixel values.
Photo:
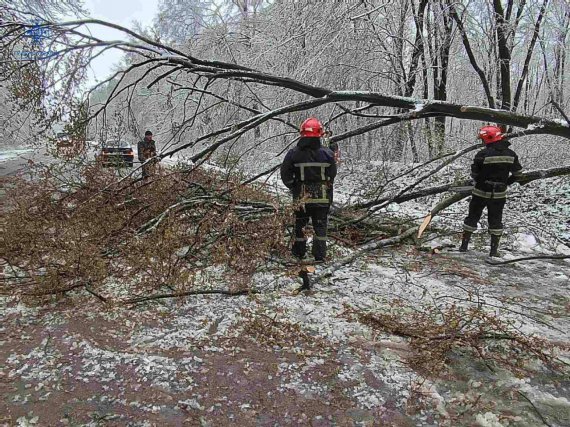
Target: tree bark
(504, 51)
(440, 73)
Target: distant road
(15, 160)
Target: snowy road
(15, 160)
(279, 359)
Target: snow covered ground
(278, 358)
(6, 155)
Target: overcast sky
(121, 12)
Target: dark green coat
(146, 150)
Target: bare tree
(211, 98)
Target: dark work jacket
(493, 169)
(146, 150)
(308, 170)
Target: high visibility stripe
(298, 165)
(496, 231)
(498, 159)
(323, 166)
(489, 195)
(316, 200)
(469, 228)
(321, 238)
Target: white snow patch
(488, 419)
(525, 242)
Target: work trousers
(318, 215)
(149, 168)
(494, 212)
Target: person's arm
(332, 169)
(153, 148)
(516, 171)
(477, 165)
(333, 146)
(288, 170)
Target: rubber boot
(495, 246)
(299, 248)
(465, 241)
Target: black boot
(465, 241)
(495, 245)
(299, 248)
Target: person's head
(490, 134)
(148, 135)
(311, 128)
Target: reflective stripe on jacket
(309, 170)
(493, 169)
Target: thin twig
(560, 110)
(510, 261)
(535, 409)
(191, 293)
(95, 294)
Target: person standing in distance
(308, 170)
(146, 150)
(493, 169)
(333, 146)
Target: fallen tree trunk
(523, 179)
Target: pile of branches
(436, 333)
(141, 235)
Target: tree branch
(190, 293)
(522, 79)
(528, 258)
(472, 60)
(523, 179)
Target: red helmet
(312, 128)
(490, 134)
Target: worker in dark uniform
(493, 169)
(146, 150)
(308, 171)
